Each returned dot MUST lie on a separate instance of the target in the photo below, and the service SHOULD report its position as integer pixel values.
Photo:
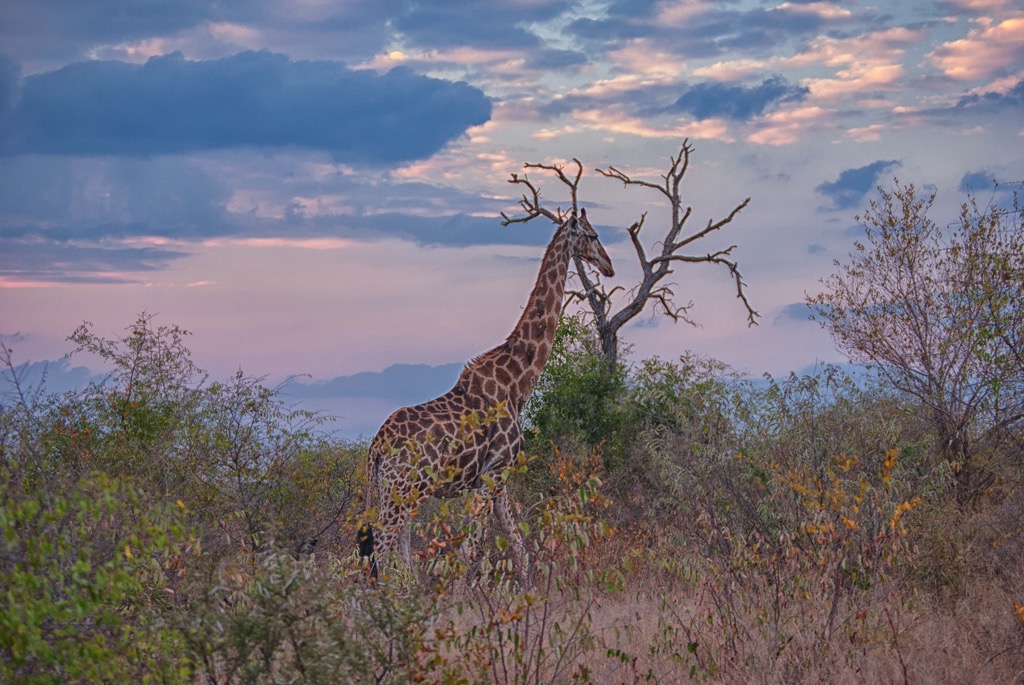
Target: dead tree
(674, 249)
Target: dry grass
(657, 629)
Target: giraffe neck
(508, 372)
(539, 319)
(529, 344)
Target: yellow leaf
(127, 552)
(181, 505)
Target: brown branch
(627, 181)
(650, 290)
(712, 226)
(530, 203)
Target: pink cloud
(986, 50)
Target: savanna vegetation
(683, 523)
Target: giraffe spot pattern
(438, 435)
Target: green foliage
(229, 449)
(680, 523)
(152, 385)
(282, 619)
(86, 586)
(937, 312)
(578, 403)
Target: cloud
(172, 105)
(33, 260)
(71, 220)
(447, 230)
(554, 60)
(9, 74)
(74, 198)
(993, 100)
(60, 31)
(613, 120)
(738, 103)
(701, 30)
(987, 51)
(797, 311)
(57, 376)
(852, 185)
(974, 181)
(402, 384)
(476, 23)
(789, 126)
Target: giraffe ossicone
(466, 439)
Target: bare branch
(531, 203)
(651, 290)
(712, 226)
(627, 181)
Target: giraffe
(417, 443)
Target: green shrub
(85, 585)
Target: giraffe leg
(507, 523)
(384, 545)
(392, 519)
(404, 544)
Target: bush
(87, 586)
(159, 527)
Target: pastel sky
(314, 187)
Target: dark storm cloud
(254, 99)
(111, 197)
(66, 30)
(739, 103)
(849, 189)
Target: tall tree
(938, 312)
(614, 308)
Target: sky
(313, 188)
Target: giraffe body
(471, 434)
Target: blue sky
(314, 187)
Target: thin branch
(627, 181)
(712, 226)
(650, 291)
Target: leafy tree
(937, 311)
(578, 403)
(136, 411)
(233, 450)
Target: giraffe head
(586, 246)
